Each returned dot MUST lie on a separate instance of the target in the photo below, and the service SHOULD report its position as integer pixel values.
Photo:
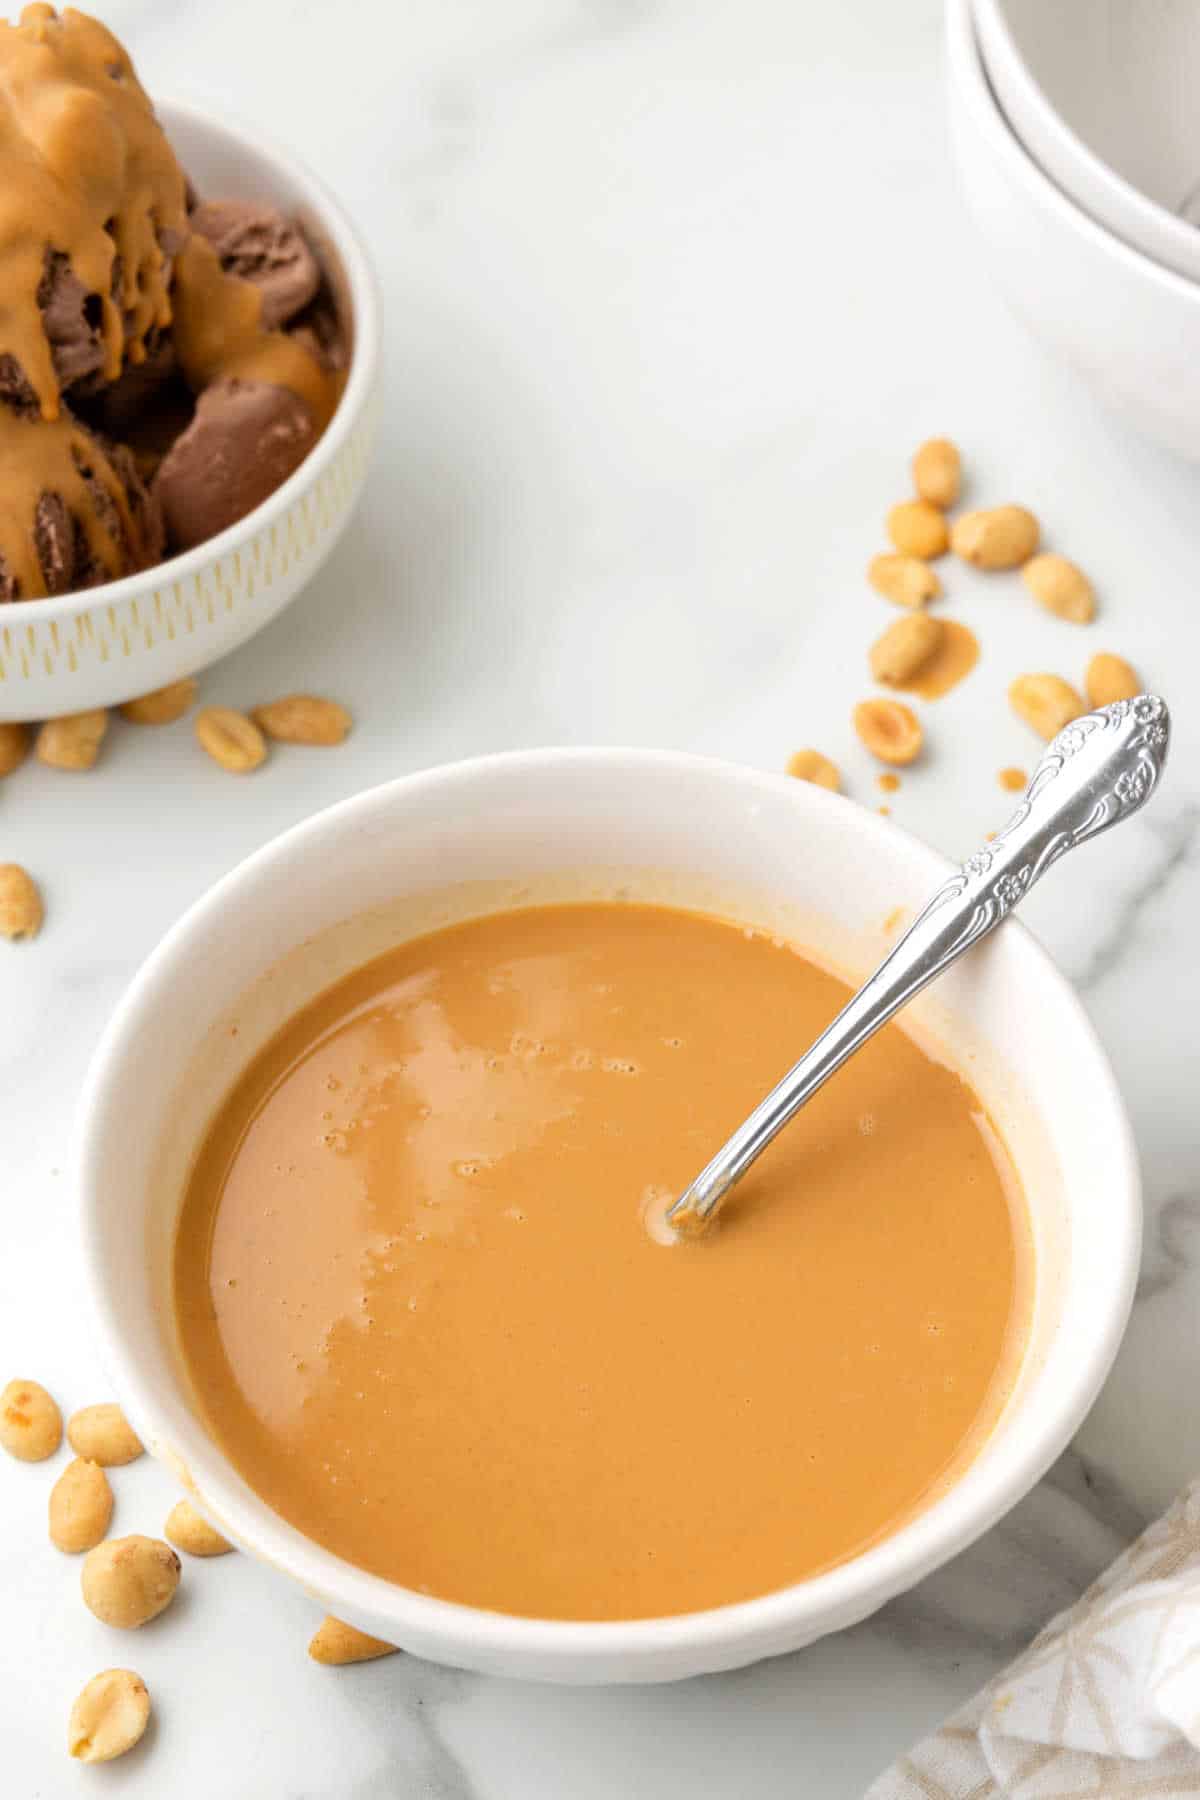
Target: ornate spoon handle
(1095, 773)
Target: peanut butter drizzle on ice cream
(54, 468)
(85, 170)
(87, 176)
(219, 335)
(96, 263)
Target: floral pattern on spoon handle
(1125, 745)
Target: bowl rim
(994, 32)
(967, 57)
(467, 1635)
(258, 147)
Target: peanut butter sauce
(426, 1316)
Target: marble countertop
(672, 292)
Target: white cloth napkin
(1105, 1703)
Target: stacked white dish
(1078, 144)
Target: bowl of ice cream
(181, 448)
(441, 1369)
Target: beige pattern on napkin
(1105, 1703)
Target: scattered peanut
(163, 706)
(904, 580)
(1110, 678)
(109, 1716)
(303, 719)
(810, 765)
(81, 1504)
(1060, 587)
(905, 647)
(1001, 537)
(72, 742)
(231, 739)
(21, 909)
(128, 1581)
(917, 528)
(14, 746)
(890, 730)
(103, 1435)
(937, 472)
(187, 1530)
(30, 1422)
(334, 1643)
(1046, 702)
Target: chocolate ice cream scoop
(219, 336)
(259, 245)
(71, 321)
(93, 205)
(119, 409)
(74, 511)
(70, 326)
(61, 540)
(245, 439)
(263, 395)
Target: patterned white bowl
(127, 637)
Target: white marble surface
(672, 290)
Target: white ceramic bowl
(1102, 93)
(656, 825)
(127, 637)
(1130, 326)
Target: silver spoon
(1095, 773)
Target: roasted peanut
(810, 765)
(1060, 587)
(81, 1504)
(905, 647)
(1110, 678)
(103, 1435)
(188, 1530)
(30, 1422)
(1000, 537)
(890, 730)
(335, 1643)
(904, 580)
(918, 528)
(21, 910)
(109, 1716)
(231, 739)
(72, 742)
(1046, 702)
(163, 706)
(937, 472)
(128, 1581)
(303, 719)
(14, 746)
